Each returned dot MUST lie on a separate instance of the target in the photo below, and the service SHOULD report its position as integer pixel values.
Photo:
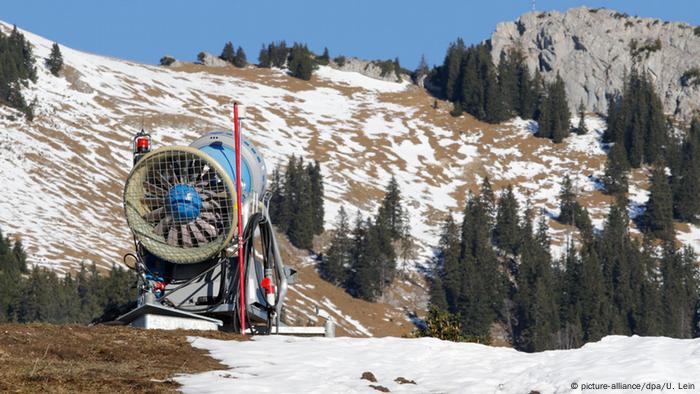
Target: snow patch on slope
(321, 365)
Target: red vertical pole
(237, 138)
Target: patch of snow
(320, 365)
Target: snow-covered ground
(278, 364)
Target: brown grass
(78, 359)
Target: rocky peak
(592, 49)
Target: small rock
(402, 380)
(369, 376)
(379, 388)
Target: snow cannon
(181, 206)
(180, 201)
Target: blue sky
(379, 29)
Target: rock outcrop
(212, 61)
(592, 49)
(372, 69)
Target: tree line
(16, 70)
(296, 204)
(300, 61)
(470, 80)
(363, 258)
(496, 267)
(41, 295)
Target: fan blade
(201, 239)
(186, 240)
(208, 228)
(151, 200)
(164, 179)
(174, 175)
(154, 189)
(209, 194)
(160, 228)
(155, 214)
(172, 236)
(209, 216)
(211, 204)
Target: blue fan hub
(184, 202)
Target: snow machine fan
(180, 204)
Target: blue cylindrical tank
(220, 146)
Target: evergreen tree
(508, 80)
(338, 258)
(636, 119)
(679, 291)
(325, 58)
(686, 179)
(616, 171)
(240, 60)
(568, 206)
(264, 58)
(554, 118)
(279, 53)
(301, 225)
(483, 285)
(391, 211)
(506, 233)
(228, 53)
(593, 297)
(450, 70)
(537, 311)
(658, 217)
(446, 285)
(55, 60)
(279, 210)
(316, 197)
(301, 64)
(16, 69)
(581, 129)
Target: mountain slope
(64, 172)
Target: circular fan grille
(180, 204)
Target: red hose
(237, 137)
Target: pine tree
(228, 54)
(537, 310)
(568, 206)
(686, 179)
(55, 60)
(471, 95)
(554, 119)
(316, 195)
(325, 58)
(508, 80)
(506, 233)
(679, 291)
(658, 217)
(450, 70)
(391, 211)
(264, 58)
(616, 171)
(446, 286)
(300, 62)
(593, 297)
(338, 258)
(301, 225)
(240, 60)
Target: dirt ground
(38, 358)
